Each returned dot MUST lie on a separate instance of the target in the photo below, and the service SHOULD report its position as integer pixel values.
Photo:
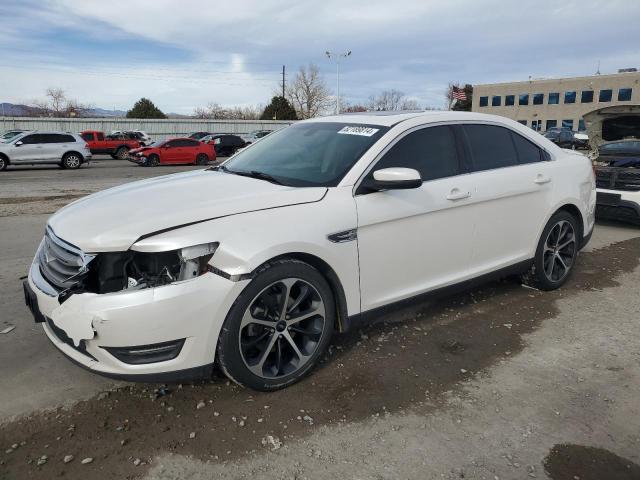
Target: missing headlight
(116, 271)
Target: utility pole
(337, 57)
(283, 84)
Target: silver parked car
(65, 149)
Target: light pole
(337, 57)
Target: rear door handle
(456, 194)
(542, 179)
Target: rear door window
(431, 151)
(87, 137)
(100, 136)
(490, 146)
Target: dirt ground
(395, 379)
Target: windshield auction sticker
(362, 131)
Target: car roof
(389, 119)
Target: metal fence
(155, 128)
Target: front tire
(3, 163)
(278, 327)
(152, 161)
(71, 161)
(556, 253)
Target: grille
(618, 178)
(61, 264)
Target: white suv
(312, 229)
(29, 148)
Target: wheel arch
(6, 158)
(70, 152)
(342, 317)
(574, 211)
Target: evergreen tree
(279, 109)
(144, 108)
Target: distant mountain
(18, 110)
(13, 110)
(101, 112)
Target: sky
(184, 54)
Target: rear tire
(152, 161)
(556, 253)
(278, 328)
(202, 159)
(122, 153)
(71, 161)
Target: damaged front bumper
(109, 333)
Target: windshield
(308, 154)
(10, 134)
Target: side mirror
(394, 178)
(18, 143)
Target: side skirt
(370, 316)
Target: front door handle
(456, 194)
(542, 179)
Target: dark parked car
(625, 153)
(563, 137)
(224, 144)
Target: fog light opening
(141, 354)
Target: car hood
(140, 149)
(114, 219)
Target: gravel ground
(503, 382)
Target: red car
(173, 152)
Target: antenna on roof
(598, 70)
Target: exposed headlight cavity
(113, 272)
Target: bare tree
(387, 100)
(409, 104)
(215, 111)
(308, 93)
(57, 101)
(57, 104)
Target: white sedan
(253, 265)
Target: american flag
(458, 93)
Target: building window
(536, 125)
(570, 97)
(484, 101)
(551, 124)
(496, 101)
(524, 99)
(567, 124)
(554, 98)
(509, 100)
(605, 95)
(624, 94)
(587, 96)
(523, 122)
(538, 98)
(581, 126)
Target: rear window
(527, 151)
(491, 147)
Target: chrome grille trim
(61, 264)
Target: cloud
(188, 53)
